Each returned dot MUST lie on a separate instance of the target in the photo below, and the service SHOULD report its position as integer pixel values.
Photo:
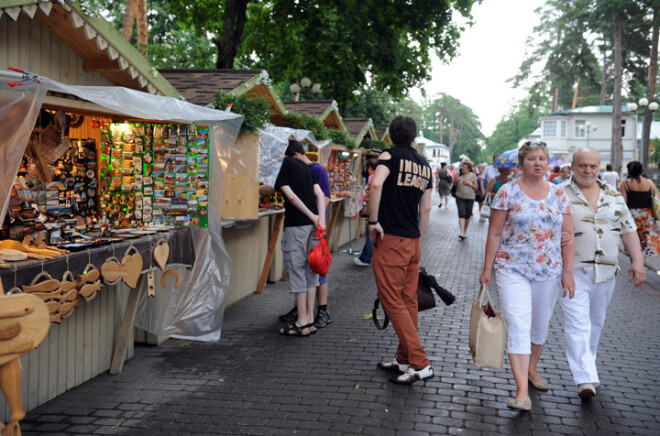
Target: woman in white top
(527, 218)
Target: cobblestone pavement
(255, 381)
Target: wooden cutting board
(32, 315)
(132, 264)
(161, 253)
(112, 271)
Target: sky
(490, 52)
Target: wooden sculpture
(24, 323)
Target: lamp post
(306, 83)
(648, 108)
(589, 127)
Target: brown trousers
(396, 268)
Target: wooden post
(335, 213)
(271, 251)
(127, 324)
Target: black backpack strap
(374, 316)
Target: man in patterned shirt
(600, 217)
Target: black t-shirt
(297, 175)
(409, 177)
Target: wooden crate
(240, 193)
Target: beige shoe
(586, 391)
(525, 405)
(539, 384)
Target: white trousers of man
(584, 317)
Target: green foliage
(516, 124)
(341, 137)
(374, 104)
(255, 110)
(375, 144)
(654, 155)
(450, 122)
(306, 122)
(338, 43)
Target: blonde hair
(531, 147)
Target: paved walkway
(256, 382)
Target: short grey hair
(579, 150)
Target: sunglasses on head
(533, 143)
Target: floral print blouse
(531, 238)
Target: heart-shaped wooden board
(161, 253)
(132, 264)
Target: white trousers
(527, 307)
(584, 317)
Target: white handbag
(487, 333)
(485, 208)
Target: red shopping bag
(319, 257)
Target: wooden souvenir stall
(103, 208)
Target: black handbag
(425, 299)
(453, 190)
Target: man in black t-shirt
(304, 211)
(399, 206)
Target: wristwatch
(372, 223)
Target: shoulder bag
(425, 299)
(487, 332)
(485, 209)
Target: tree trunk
(650, 92)
(142, 27)
(616, 157)
(603, 80)
(555, 100)
(129, 17)
(575, 94)
(232, 32)
(454, 134)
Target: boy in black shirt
(304, 211)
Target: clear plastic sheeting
(195, 310)
(274, 141)
(19, 109)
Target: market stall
(117, 201)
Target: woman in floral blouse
(532, 268)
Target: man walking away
(399, 206)
(600, 217)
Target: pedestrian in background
(531, 265)
(610, 176)
(444, 185)
(600, 218)
(638, 191)
(466, 185)
(364, 259)
(399, 206)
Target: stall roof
(360, 128)
(325, 110)
(96, 41)
(383, 134)
(200, 86)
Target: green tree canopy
(513, 126)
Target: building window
(563, 129)
(580, 125)
(623, 128)
(549, 129)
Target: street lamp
(306, 83)
(589, 127)
(647, 117)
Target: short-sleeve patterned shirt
(531, 238)
(597, 233)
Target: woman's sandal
(312, 328)
(294, 330)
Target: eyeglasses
(533, 143)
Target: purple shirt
(322, 177)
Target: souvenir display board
(339, 173)
(154, 174)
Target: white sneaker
(586, 391)
(358, 262)
(412, 375)
(393, 365)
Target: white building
(567, 130)
(435, 152)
